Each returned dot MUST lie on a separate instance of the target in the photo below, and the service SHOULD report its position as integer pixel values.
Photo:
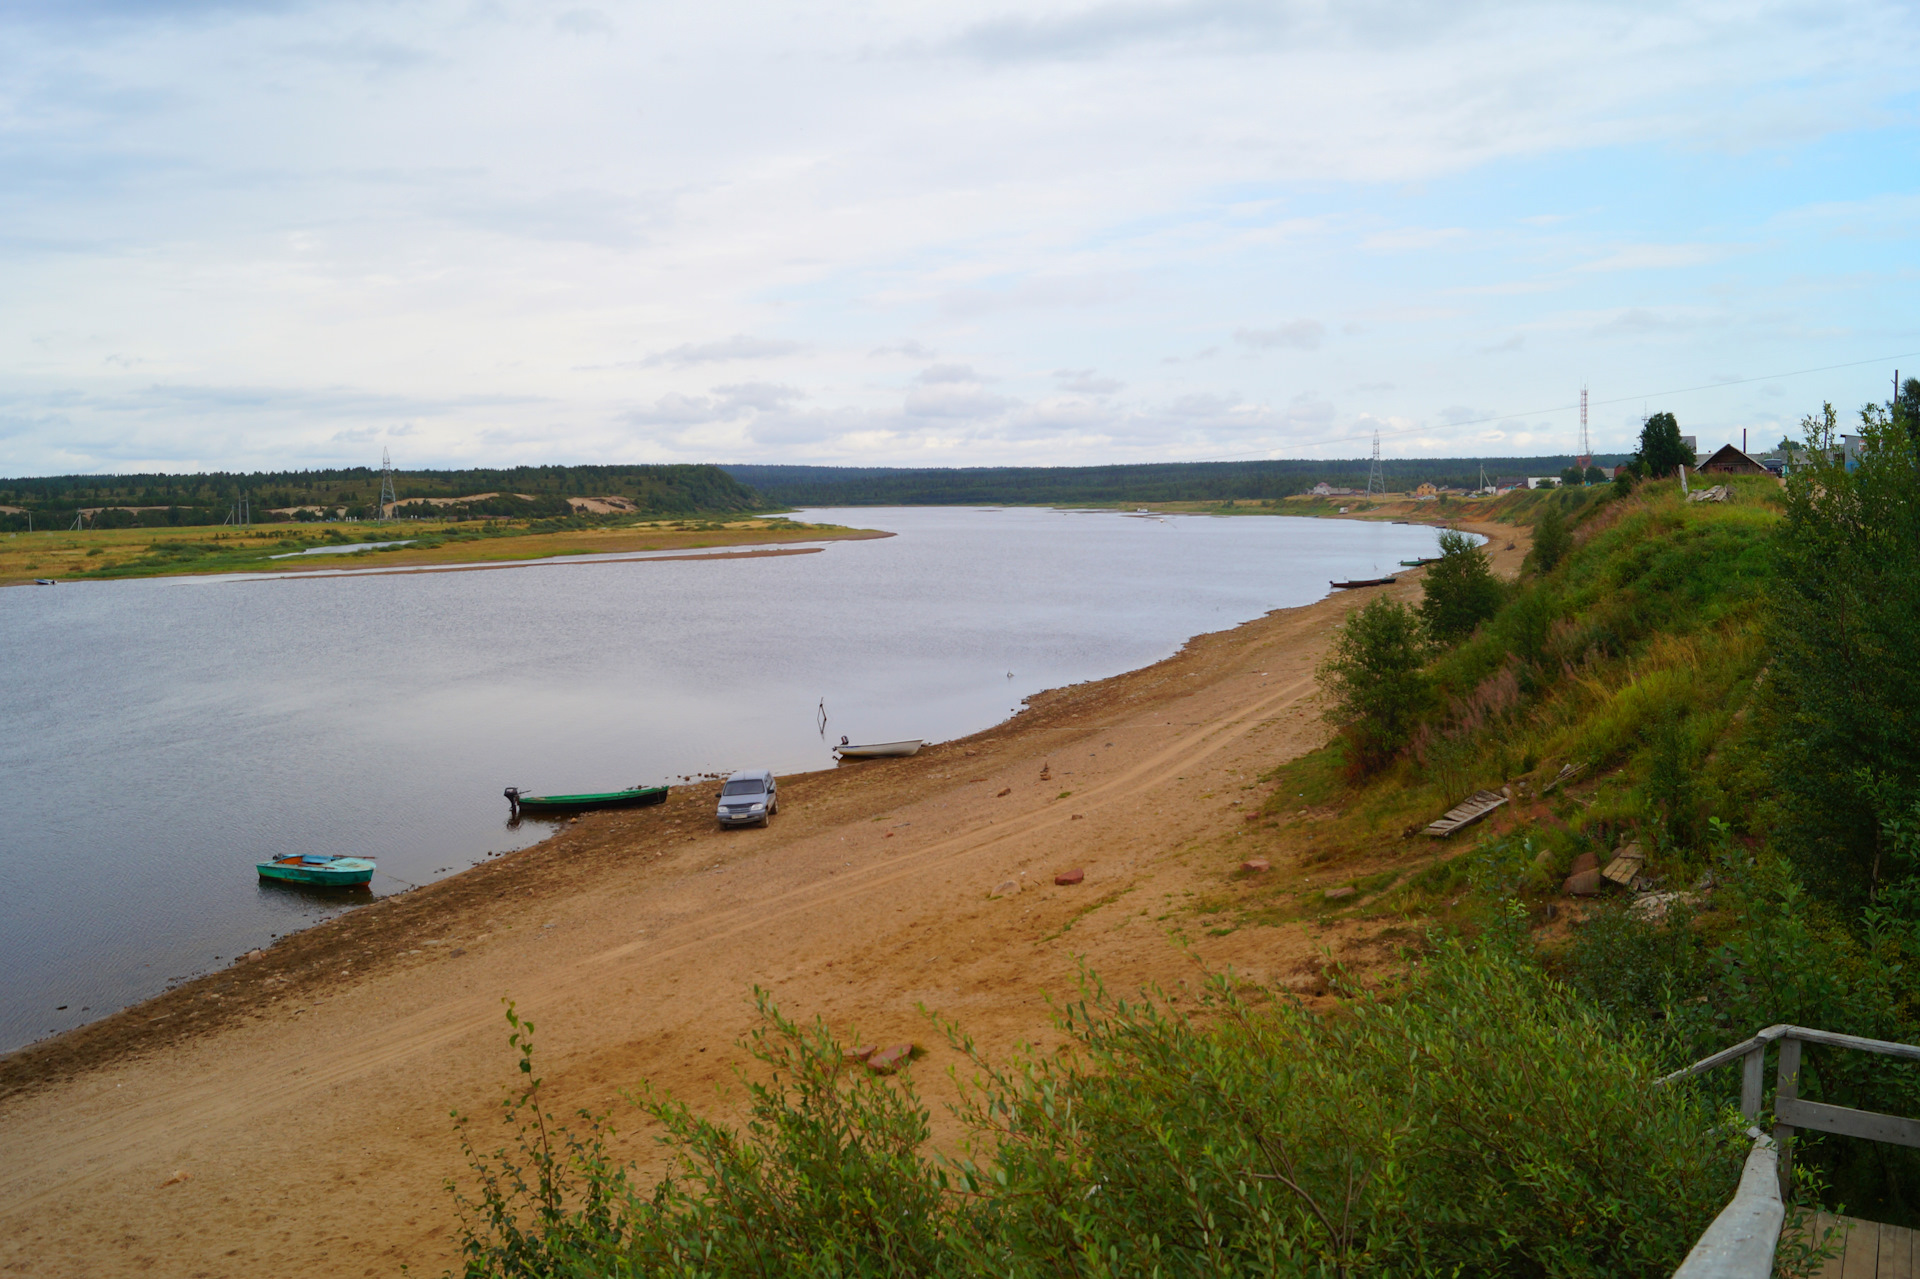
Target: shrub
(1374, 679)
(1461, 590)
(1480, 1122)
(1845, 629)
(1552, 539)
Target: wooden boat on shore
(878, 750)
(1420, 563)
(634, 798)
(1371, 581)
(320, 870)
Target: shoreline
(462, 552)
(633, 935)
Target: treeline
(1107, 485)
(529, 492)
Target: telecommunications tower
(387, 499)
(1376, 480)
(1586, 446)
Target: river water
(163, 735)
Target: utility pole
(1376, 479)
(1586, 445)
(387, 499)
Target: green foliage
(208, 498)
(1552, 539)
(1479, 1122)
(1374, 681)
(551, 1198)
(1662, 451)
(1845, 634)
(1460, 590)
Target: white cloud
(1297, 335)
(268, 233)
(738, 347)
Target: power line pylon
(1376, 479)
(387, 499)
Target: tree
(1461, 590)
(1844, 633)
(1905, 410)
(1596, 475)
(1661, 448)
(1552, 539)
(1374, 678)
(1573, 477)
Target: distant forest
(1105, 485)
(162, 501)
(541, 492)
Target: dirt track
(290, 1116)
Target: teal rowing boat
(322, 870)
(639, 795)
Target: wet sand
(289, 1116)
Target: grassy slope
(1646, 642)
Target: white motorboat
(877, 750)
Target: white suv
(749, 797)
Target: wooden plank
(1906, 1052)
(1823, 1222)
(1847, 1121)
(1862, 1257)
(1753, 1080)
(1465, 813)
(1896, 1254)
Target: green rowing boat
(639, 795)
(323, 871)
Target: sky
(261, 234)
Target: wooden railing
(1740, 1243)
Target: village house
(1729, 460)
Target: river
(163, 735)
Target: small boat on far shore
(878, 750)
(1371, 581)
(632, 798)
(1420, 563)
(322, 870)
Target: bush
(1461, 590)
(1374, 679)
(1552, 539)
(1845, 631)
(1482, 1122)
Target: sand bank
(289, 1116)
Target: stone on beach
(1255, 865)
(1069, 877)
(887, 1060)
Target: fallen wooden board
(1625, 865)
(1465, 813)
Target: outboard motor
(513, 797)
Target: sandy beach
(289, 1116)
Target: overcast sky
(259, 234)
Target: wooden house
(1731, 461)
